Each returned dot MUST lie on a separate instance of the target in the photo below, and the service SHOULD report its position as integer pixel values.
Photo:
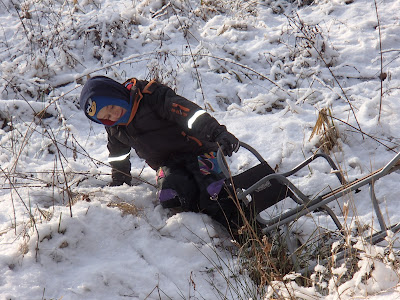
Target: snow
(65, 234)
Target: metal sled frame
(305, 205)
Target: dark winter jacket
(162, 124)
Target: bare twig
(250, 69)
(362, 132)
(192, 56)
(59, 153)
(381, 76)
(32, 218)
(312, 44)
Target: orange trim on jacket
(148, 88)
(138, 96)
(192, 138)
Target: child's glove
(228, 143)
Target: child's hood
(101, 91)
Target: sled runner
(260, 187)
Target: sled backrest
(267, 194)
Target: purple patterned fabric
(208, 163)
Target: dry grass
(126, 208)
(326, 130)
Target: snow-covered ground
(262, 68)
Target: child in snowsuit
(175, 137)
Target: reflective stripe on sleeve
(194, 117)
(118, 158)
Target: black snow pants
(195, 183)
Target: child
(176, 138)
